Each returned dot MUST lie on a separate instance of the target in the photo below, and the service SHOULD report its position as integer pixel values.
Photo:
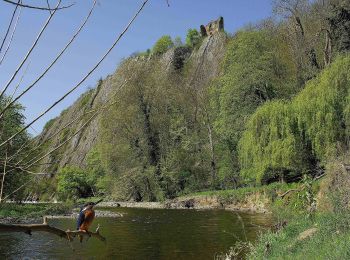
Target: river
(143, 234)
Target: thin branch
(83, 80)
(9, 27)
(19, 83)
(38, 7)
(47, 154)
(29, 52)
(301, 187)
(48, 5)
(31, 163)
(3, 177)
(34, 149)
(53, 62)
(11, 37)
(63, 143)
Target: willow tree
(270, 148)
(322, 110)
(256, 69)
(291, 138)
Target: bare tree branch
(53, 62)
(48, 5)
(38, 7)
(30, 51)
(31, 163)
(45, 227)
(85, 77)
(11, 37)
(32, 150)
(9, 27)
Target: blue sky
(107, 21)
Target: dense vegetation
(11, 123)
(283, 139)
(276, 110)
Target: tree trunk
(152, 136)
(328, 49)
(29, 228)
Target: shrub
(193, 38)
(73, 183)
(162, 45)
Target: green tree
(193, 38)
(73, 183)
(96, 174)
(162, 45)
(284, 139)
(339, 22)
(10, 123)
(270, 149)
(255, 70)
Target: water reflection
(143, 234)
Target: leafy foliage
(254, 72)
(339, 21)
(162, 45)
(11, 123)
(283, 135)
(72, 183)
(193, 38)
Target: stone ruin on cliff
(212, 27)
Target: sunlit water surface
(143, 234)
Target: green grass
(238, 195)
(331, 241)
(24, 211)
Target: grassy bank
(324, 236)
(255, 199)
(26, 211)
(272, 191)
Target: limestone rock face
(203, 66)
(212, 27)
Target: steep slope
(202, 64)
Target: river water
(143, 234)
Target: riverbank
(248, 199)
(322, 236)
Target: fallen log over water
(45, 227)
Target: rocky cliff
(202, 63)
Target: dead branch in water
(45, 227)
